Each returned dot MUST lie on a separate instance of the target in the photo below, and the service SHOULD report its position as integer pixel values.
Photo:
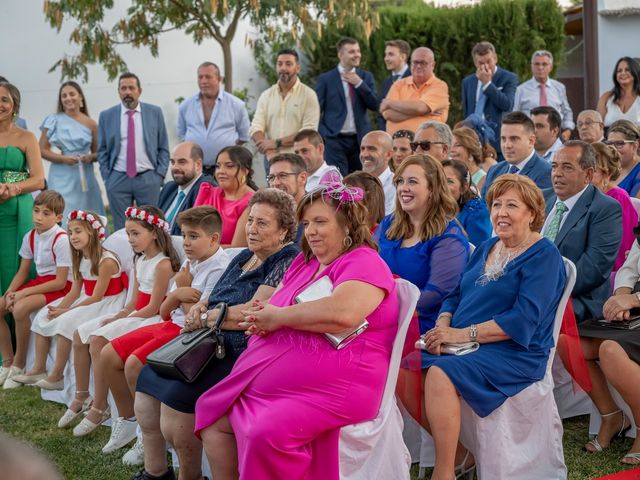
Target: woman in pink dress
(280, 411)
(231, 196)
(606, 173)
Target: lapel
(497, 78)
(114, 120)
(146, 119)
(550, 201)
(530, 166)
(576, 213)
(340, 87)
(472, 92)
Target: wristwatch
(473, 333)
(278, 142)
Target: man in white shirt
(590, 126)
(585, 225)
(546, 122)
(542, 91)
(309, 145)
(180, 194)
(376, 151)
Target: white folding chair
(375, 450)
(523, 437)
(636, 204)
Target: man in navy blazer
(133, 150)
(396, 56)
(590, 228)
(490, 91)
(345, 93)
(180, 194)
(518, 138)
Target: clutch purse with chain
(452, 348)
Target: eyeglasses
(618, 143)
(420, 63)
(282, 176)
(426, 145)
(587, 123)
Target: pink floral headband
(139, 214)
(332, 186)
(90, 219)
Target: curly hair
(352, 216)
(528, 191)
(440, 209)
(608, 160)
(283, 204)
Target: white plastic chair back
(523, 437)
(375, 449)
(636, 204)
(177, 244)
(233, 251)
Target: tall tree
(146, 20)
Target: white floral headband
(90, 219)
(139, 214)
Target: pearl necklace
(250, 265)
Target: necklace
(250, 265)
(502, 257)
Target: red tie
(543, 95)
(132, 171)
(352, 94)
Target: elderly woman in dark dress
(165, 407)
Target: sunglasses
(425, 146)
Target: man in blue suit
(585, 225)
(133, 150)
(396, 56)
(179, 195)
(518, 138)
(490, 91)
(345, 93)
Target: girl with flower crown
(98, 288)
(155, 264)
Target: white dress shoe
(122, 432)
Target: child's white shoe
(9, 382)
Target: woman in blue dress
(74, 134)
(506, 301)
(420, 241)
(474, 215)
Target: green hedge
(516, 27)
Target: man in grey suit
(133, 150)
(585, 225)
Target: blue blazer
(155, 138)
(500, 96)
(384, 89)
(590, 237)
(537, 169)
(333, 103)
(170, 191)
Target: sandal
(69, 416)
(462, 471)
(624, 428)
(633, 456)
(86, 426)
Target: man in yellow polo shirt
(419, 98)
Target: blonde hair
(528, 192)
(468, 138)
(440, 209)
(608, 160)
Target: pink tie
(132, 171)
(543, 94)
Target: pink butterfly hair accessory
(332, 186)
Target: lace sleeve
(276, 273)
(447, 262)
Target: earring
(347, 241)
(243, 179)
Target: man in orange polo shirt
(419, 98)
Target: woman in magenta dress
(280, 410)
(231, 196)
(607, 171)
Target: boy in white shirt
(126, 355)
(47, 246)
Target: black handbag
(186, 356)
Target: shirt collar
(524, 162)
(385, 175)
(572, 200)
(401, 71)
(124, 110)
(187, 188)
(553, 148)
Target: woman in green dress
(21, 173)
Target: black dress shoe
(144, 475)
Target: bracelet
(473, 333)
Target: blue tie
(176, 207)
(395, 77)
(482, 101)
(513, 169)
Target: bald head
(376, 149)
(422, 64)
(590, 126)
(186, 162)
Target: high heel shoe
(634, 457)
(624, 428)
(462, 472)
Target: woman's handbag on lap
(186, 356)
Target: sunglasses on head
(426, 145)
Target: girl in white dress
(156, 263)
(98, 289)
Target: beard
(182, 179)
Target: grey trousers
(123, 192)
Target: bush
(516, 27)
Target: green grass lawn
(25, 415)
